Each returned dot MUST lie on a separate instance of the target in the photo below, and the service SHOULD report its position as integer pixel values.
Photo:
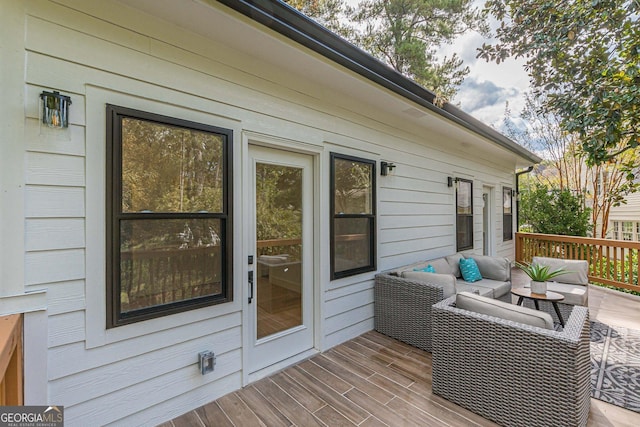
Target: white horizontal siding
(66, 328)
(70, 359)
(54, 266)
(125, 372)
(629, 211)
(54, 233)
(148, 378)
(54, 202)
(172, 384)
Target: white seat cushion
(573, 294)
(503, 310)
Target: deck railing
(611, 262)
(11, 389)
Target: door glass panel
(279, 248)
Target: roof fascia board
(294, 25)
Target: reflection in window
(464, 214)
(353, 215)
(507, 214)
(168, 228)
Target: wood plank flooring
(374, 380)
(370, 381)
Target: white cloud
(488, 86)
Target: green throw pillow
(469, 270)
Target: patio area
(374, 380)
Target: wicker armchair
(403, 309)
(511, 373)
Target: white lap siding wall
(101, 52)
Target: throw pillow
(469, 270)
(428, 269)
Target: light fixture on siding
(451, 180)
(55, 109)
(386, 168)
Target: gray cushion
(465, 287)
(416, 265)
(503, 310)
(498, 287)
(454, 263)
(493, 267)
(447, 281)
(441, 265)
(573, 294)
(577, 270)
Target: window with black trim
(507, 214)
(169, 246)
(353, 216)
(464, 214)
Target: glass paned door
(279, 247)
(281, 311)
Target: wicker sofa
(510, 372)
(403, 296)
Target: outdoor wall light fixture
(386, 168)
(55, 109)
(451, 180)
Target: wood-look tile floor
(372, 380)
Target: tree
(599, 187)
(329, 13)
(553, 212)
(585, 56)
(406, 35)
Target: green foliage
(621, 269)
(585, 56)
(278, 202)
(553, 212)
(405, 34)
(540, 273)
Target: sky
(488, 86)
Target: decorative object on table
(539, 275)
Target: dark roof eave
(289, 22)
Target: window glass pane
(463, 206)
(506, 200)
(352, 242)
(353, 187)
(464, 229)
(170, 169)
(627, 230)
(164, 261)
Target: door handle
(250, 287)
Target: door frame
(320, 225)
(488, 221)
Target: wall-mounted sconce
(451, 180)
(386, 168)
(55, 109)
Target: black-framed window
(169, 231)
(464, 214)
(507, 214)
(353, 215)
